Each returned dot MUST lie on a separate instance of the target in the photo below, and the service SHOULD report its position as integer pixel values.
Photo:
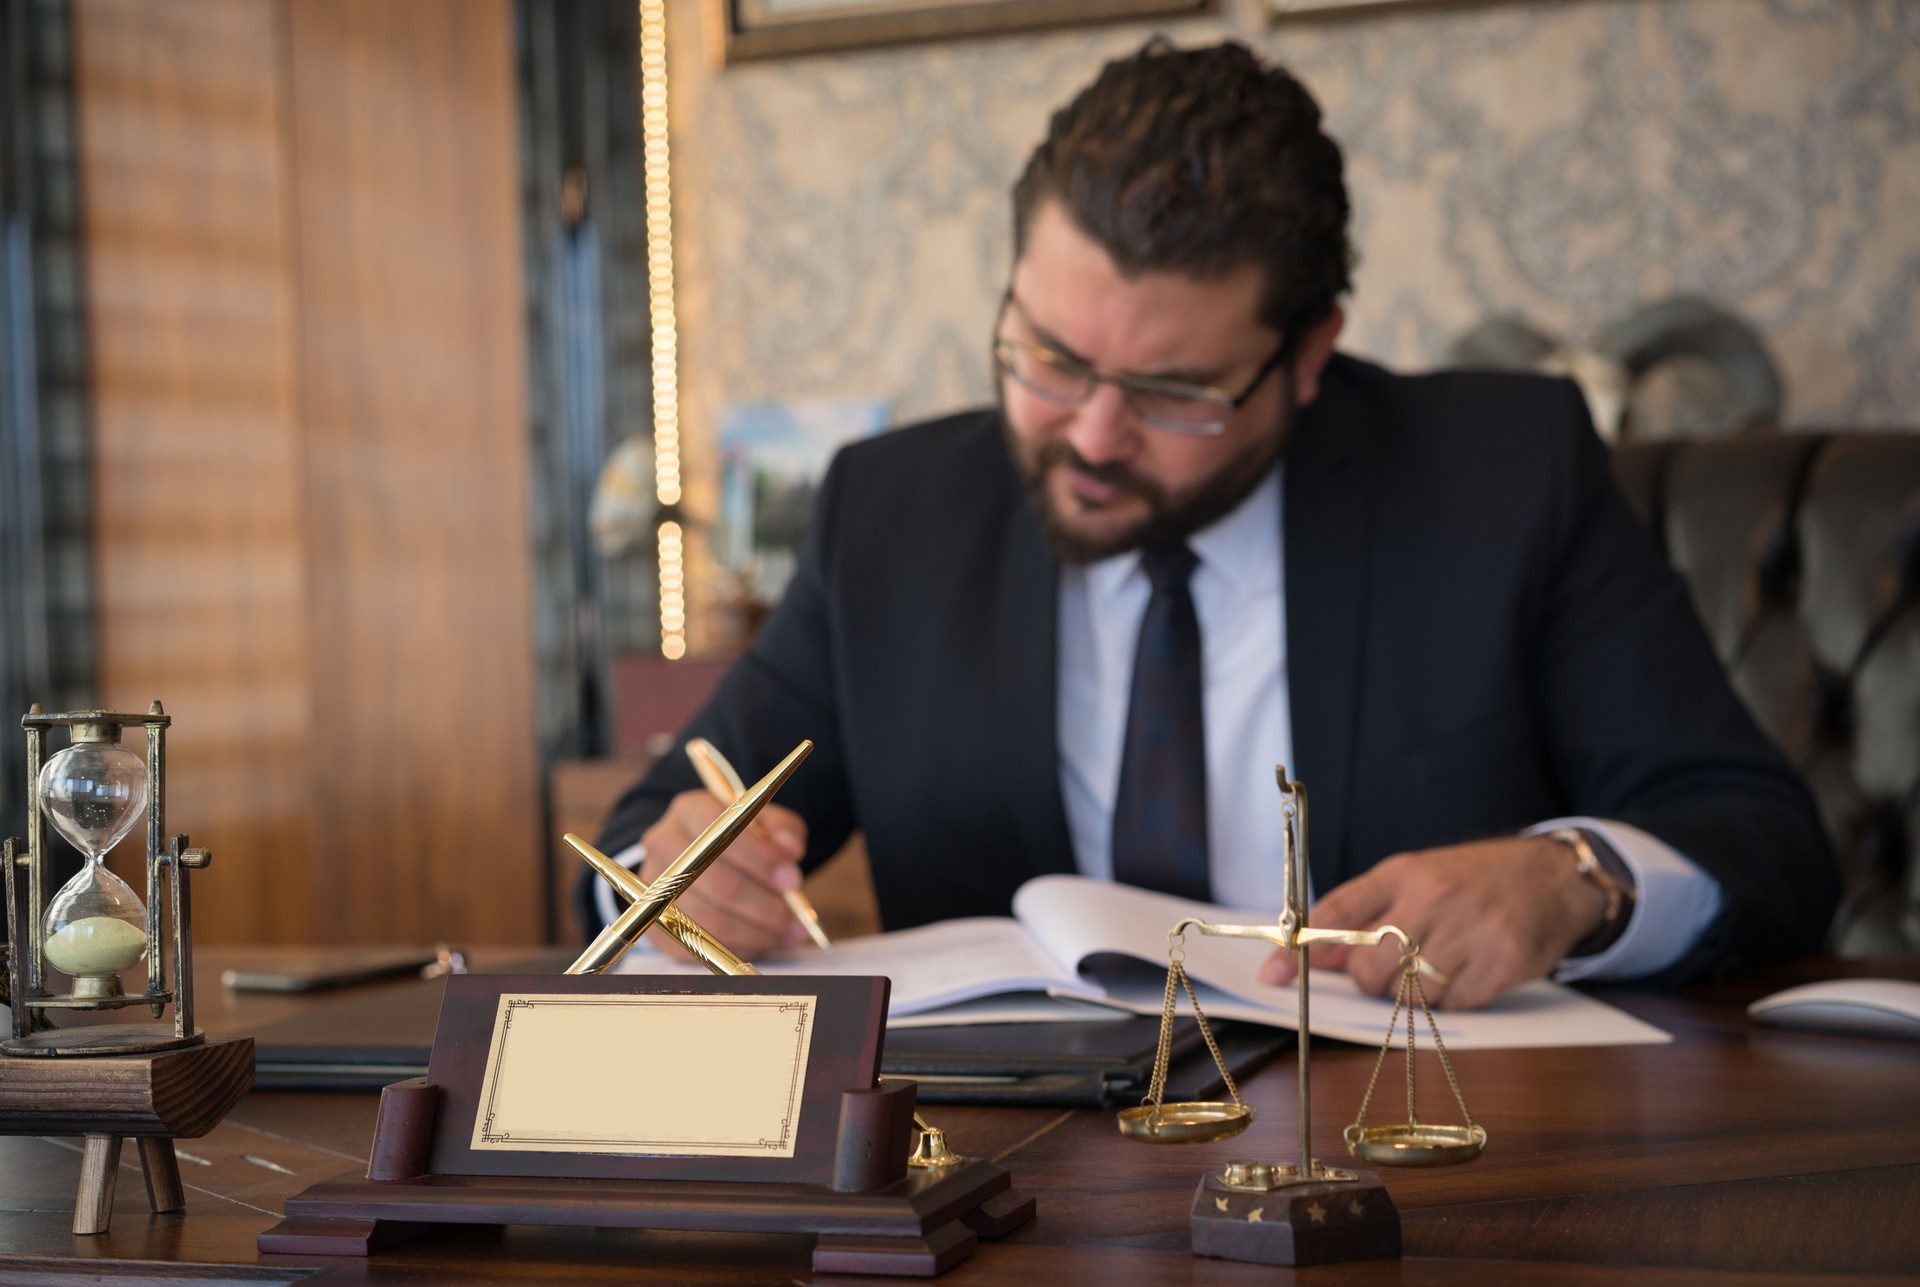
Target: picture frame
(1279, 9)
(745, 30)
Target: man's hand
(737, 899)
(1487, 915)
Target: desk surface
(1737, 1153)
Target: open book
(1076, 948)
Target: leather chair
(1803, 555)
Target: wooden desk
(1735, 1154)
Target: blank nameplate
(666, 1077)
(681, 1076)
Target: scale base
(918, 1226)
(1320, 1223)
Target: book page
(1081, 920)
(930, 965)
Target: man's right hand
(737, 899)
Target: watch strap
(1595, 860)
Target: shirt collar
(1240, 546)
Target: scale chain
(1446, 1064)
(1206, 1031)
(1413, 1114)
(1156, 1091)
(1373, 1080)
(1177, 970)
(1411, 988)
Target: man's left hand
(1487, 915)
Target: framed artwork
(772, 457)
(1289, 8)
(740, 30)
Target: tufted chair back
(1803, 554)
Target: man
(1079, 631)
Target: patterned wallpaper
(843, 227)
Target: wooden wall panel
(413, 407)
(199, 527)
(303, 265)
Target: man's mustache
(1113, 473)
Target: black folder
(368, 1038)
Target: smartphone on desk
(320, 968)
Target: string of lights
(665, 332)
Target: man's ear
(1315, 352)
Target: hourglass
(108, 1082)
(95, 792)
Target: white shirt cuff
(1675, 903)
(607, 900)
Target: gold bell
(932, 1151)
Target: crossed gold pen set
(648, 903)
(724, 784)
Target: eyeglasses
(1172, 405)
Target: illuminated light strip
(665, 331)
(673, 592)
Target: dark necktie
(1160, 810)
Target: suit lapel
(1025, 707)
(1327, 538)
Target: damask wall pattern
(843, 230)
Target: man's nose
(1101, 429)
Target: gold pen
(724, 784)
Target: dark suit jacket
(1480, 636)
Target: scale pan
(1418, 1145)
(1190, 1123)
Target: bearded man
(1078, 630)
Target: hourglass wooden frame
(167, 866)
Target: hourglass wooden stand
(151, 1082)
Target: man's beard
(1168, 519)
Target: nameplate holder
(659, 1077)
(745, 1103)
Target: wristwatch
(1611, 877)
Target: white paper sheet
(1086, 917)
(1063, 921)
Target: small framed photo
(740, 30)
(1303, 8)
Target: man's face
(1101, 481)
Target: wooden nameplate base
(151, 1098)
(1301, 1224)
(470, 1145)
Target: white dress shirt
(1239, 594)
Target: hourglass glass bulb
(94, 792)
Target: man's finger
(737, 899)
(1357, 904)
(1360, 903)
(1278, 969)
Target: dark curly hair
(1198, 161)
